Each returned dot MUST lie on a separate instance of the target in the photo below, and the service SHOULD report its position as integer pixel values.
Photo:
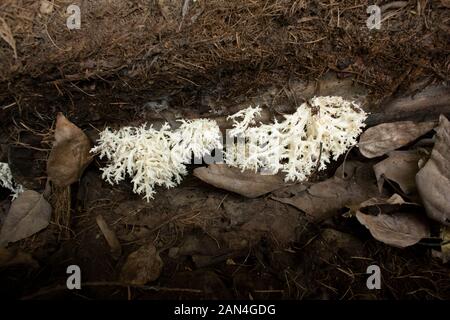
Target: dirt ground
(160, 60)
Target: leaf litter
(383, 138)
(277, 250)
(400, 167)
(392, 223)
(28, 214)
(433, 180)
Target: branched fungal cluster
(303, 142)
(155, 157)
(7, 181)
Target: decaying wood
(425, 105)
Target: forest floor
(158, 61)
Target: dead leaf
(400, 167)
(110, 236)
(29, 214)
(433, 180)
(46, 7)
(9, 258)
(142, 266)
(246, 183)
(389, 221)
(379, 140)
(6, 34)
(352, 183)
(70, 153)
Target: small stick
(110, 236)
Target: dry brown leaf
(28, 214)
(6, 34)
(352, 183)
(433, 180)
(142, 266)
(46, 7)
(379, 140)
(70, 153)
(389, 221)
(10, 257)
(400, 167)
(110, 236)
(246, 183)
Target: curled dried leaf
(433, 180)
(352, 183)
(400, 167)
(70, 153)
(246, 183)
(28, 214)
(142, 266)
(383, 138)
(389, 221)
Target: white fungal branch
(302, 143)
(155, 157)
(196, 137)
(248, 118)
(7, 181)
(255, 148)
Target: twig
(8, 106)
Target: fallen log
(426, 105)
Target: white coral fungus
(155, 157)
(302, 143)
(6, 180)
